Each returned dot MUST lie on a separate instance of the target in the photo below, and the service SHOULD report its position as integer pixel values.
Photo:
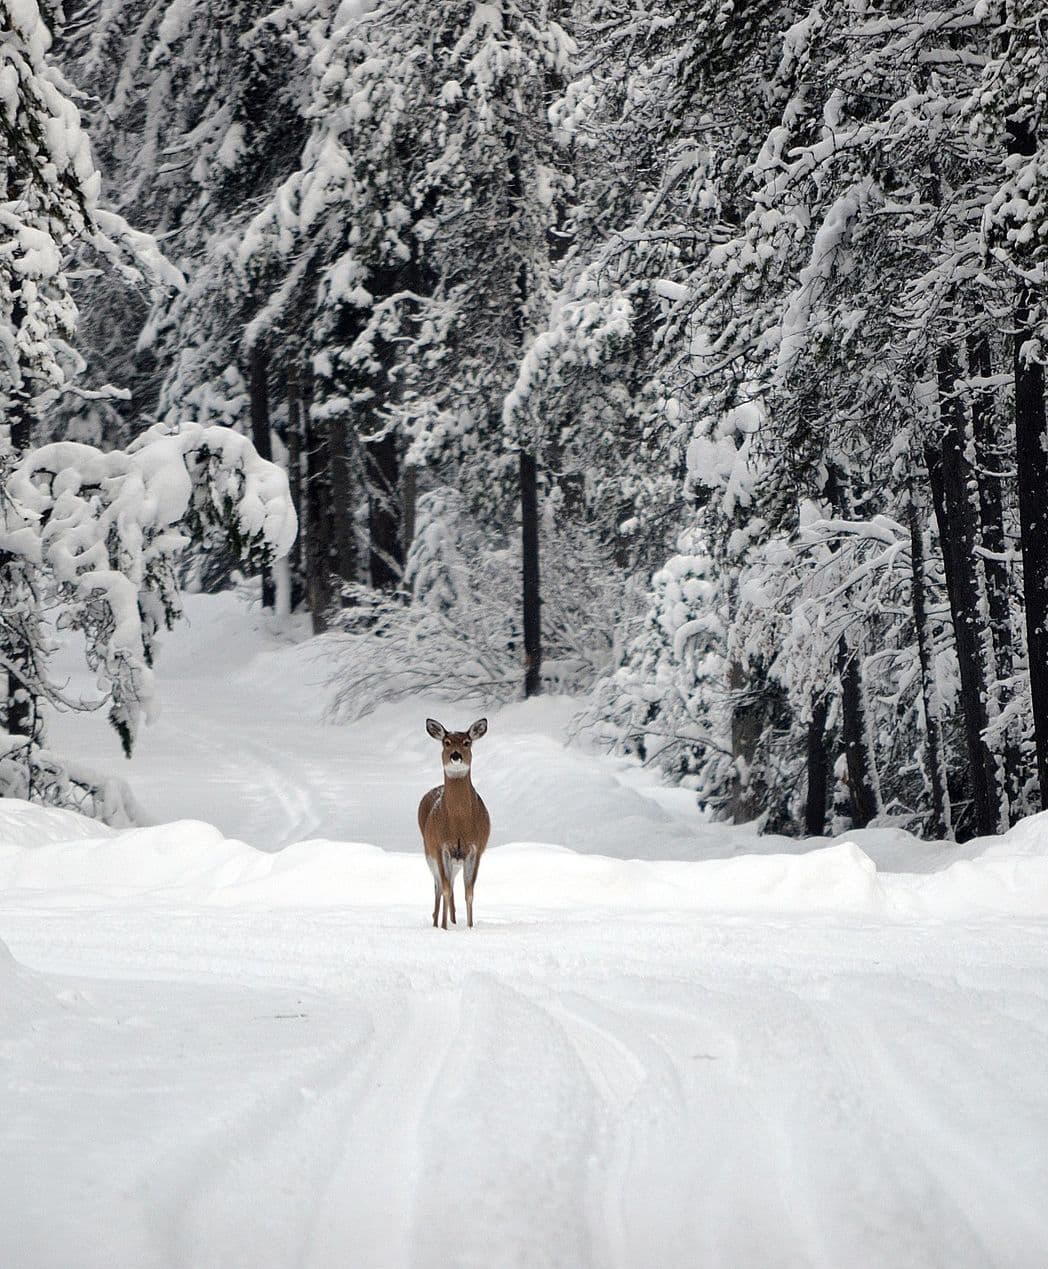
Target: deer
(454, 821)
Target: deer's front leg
(446, 874)
(469, 873)
(434, 868)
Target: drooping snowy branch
(99, 533)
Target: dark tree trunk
(382, 475)
(295, 474)
(1031, 452)
(529, 498)
(343, 536)
(858, 752)
(1031, 447)
(859, 756)
(990, 458)
(531, 594)
(818, 766)
(950, 477)
(317, 503)
(409, 507)
(258, 376)
(21, 707)
(747, 727)
(379, 445)
(935, 765)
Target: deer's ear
(435, 729)
(478, 729)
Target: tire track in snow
(329, 1149)
(642, 1050)
(945, 1145)
(265, 1153)
(269, 805)
(507, 1140)
(367, 1213)
(638, 1088)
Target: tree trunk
(343, 536)
(258, 367)
(20, 704)
(317, 503)
(1031, 453)
(1031, 448)
(818, 766)
(21, 707)
(864, 791)
(989, 459)
(531, 594)
(408, 508)
(295, 474)
(529, 502)
(747, 727)
(950, 475)
(748, 717)
(855, 732)
(382, 475)
(935, 764)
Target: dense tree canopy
(749, 301)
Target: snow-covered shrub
(457, 626)
(666, 703)
(89, 541)
(35, 774)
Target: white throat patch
(456, 769)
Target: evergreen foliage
(754, 294)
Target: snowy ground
(215, 1055)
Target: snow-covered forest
(664, 383)
(687, 360)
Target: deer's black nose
(456, 756)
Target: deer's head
(457, 745)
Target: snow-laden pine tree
(419, 235)
(195, 112)
(850, 279)
(665, 115)
(87, 538)
(1007, 110)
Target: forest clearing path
(241, 741)
(221, 1056)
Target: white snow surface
(234, 1039)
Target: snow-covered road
(216, 1056)
(219, 1087)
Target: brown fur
(454, 821)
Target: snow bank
(23, 995)
(75, 862)
(22, 824)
